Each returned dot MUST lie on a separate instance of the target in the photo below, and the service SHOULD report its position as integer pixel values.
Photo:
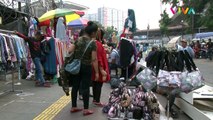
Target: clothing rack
(6, 31)
(12, 72)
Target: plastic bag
(163, 78)
(195, 79)
(174, 79)
(147, 78)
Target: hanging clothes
(60, 29)
(50, 65)
(3, 56)
(126, 52)
(12, 48)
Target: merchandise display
(125, 103)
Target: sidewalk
(34, 101)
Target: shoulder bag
(75, 65)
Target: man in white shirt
(186, 47)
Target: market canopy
(69, 15)
(203, 35)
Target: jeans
(38, 69)
(97, 86)
(83, 77)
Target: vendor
(149, 59)
(35, 51)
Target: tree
(109, 31)
(204, 12)
(164, 23)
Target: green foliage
(203, 9)
(109, 31)
(164, 23)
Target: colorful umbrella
(69, 14)
(78, 23)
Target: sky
(146, 11)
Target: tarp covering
(172, 43)
(203, 35)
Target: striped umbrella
(78, 23)
(69, 14)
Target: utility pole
(147, 34)
(54, 6)
(27, 4)
(61, 4)
(19, 6)
(192, 25)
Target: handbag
(75, 66)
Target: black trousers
(96, 87)
(130, 71)
(85, 77)
(171, 97)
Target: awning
(203, 35)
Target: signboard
(0, 20)
(22, 1)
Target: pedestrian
(81, 33)
(173, 93)
(114, 60)
(209, 46)
(103, 69)
(85, 74)
(35, 51)
(149, 59)
(186, 47)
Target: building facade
(92, 17)
(112, 17)
(39, 7)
